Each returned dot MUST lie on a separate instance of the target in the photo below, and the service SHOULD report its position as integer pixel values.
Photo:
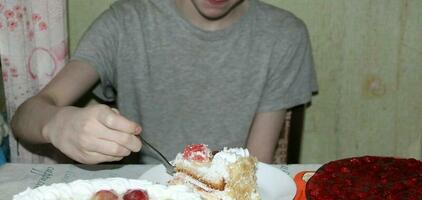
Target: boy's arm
(88, 135)
(70, 84)
(264, 134)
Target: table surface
(15, 178)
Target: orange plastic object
(301, 179)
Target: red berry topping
(367, 177)
(197, 152)
(105, 195)
(136, 194)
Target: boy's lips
(217, 2)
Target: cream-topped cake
(229, 174)
(108, 189)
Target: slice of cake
(367, 177)
(108, 189)
(229, 174)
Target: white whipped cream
(226, 157)
(85, 189)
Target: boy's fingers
(111, 119)
(129, 141)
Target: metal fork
(169, 167)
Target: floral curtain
(33, 48)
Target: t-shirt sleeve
(98, 47)
(291, 79)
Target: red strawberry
(105, 195)
(136, 194)
(197, 152)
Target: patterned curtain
(33, 48)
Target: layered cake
(229, 174)
(108, 189)
(367, 177)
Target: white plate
(272, 182)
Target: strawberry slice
(197, 152)
(136, 194)
(105, 195)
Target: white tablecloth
(15, 178)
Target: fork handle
(169, 167)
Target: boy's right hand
(93, 134)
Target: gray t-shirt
(185, 85)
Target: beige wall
(368, 56)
